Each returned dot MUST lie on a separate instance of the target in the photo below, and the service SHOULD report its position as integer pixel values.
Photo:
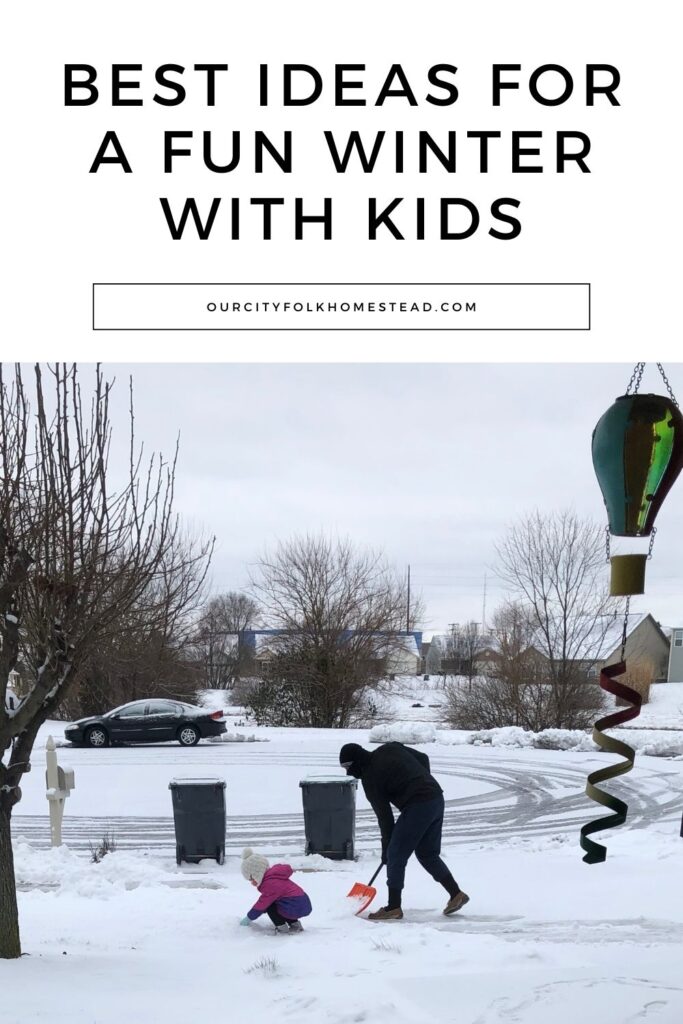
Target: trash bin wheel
(220, 855)
(178, 855)
(188, 736)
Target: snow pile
(237, 737)
(510, 736)
(403, 732)
(563, 739)
(652, 742)
(643, 742)
(61, 868)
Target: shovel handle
(376, 873)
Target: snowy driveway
(491, 794)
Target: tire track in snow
(527, 798)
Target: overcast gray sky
(429, 462)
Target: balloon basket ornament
(627, 575)
(637, 450)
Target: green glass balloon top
(637, 455)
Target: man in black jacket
(398, 775)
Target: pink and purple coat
(277, 888)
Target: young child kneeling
(281, 899)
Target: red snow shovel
(365, 894)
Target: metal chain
(652, 542)
(623, 632)
(636, 378)
(668, 386)
(607, 543)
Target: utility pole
(483, 611)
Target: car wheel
(188, 736)
(96, 736)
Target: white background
(64, 228)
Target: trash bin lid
(174, 783)
(344, 780)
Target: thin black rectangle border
(345, 284)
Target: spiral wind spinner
(637, 454)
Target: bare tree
(219, 638)
(461, 649)
(555, 564)
(77, 555)
(339, 615)
(513, 689)
(151, 654)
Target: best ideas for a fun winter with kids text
(451, 145)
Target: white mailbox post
(60, 782)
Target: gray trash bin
(330, 815)
(199, 818)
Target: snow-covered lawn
(544, 937)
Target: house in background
(647, 647)
(675, 667)
(403, 656)
(646, 650)
(401, 652)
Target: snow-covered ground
(544, 937)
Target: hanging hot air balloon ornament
(637, 455)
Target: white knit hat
(254, 865)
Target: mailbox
(60, 782)
(65, 780)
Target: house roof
(402, 645)
(613, 637)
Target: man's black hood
(355, 758)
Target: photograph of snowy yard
(544, 937)
(335, 556)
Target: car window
(163, 707)
(131, 710)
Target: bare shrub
(107, 844)
(639, 677)
(266, 966)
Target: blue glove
(245, 920)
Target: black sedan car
(147, 721)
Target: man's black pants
(418, 831)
